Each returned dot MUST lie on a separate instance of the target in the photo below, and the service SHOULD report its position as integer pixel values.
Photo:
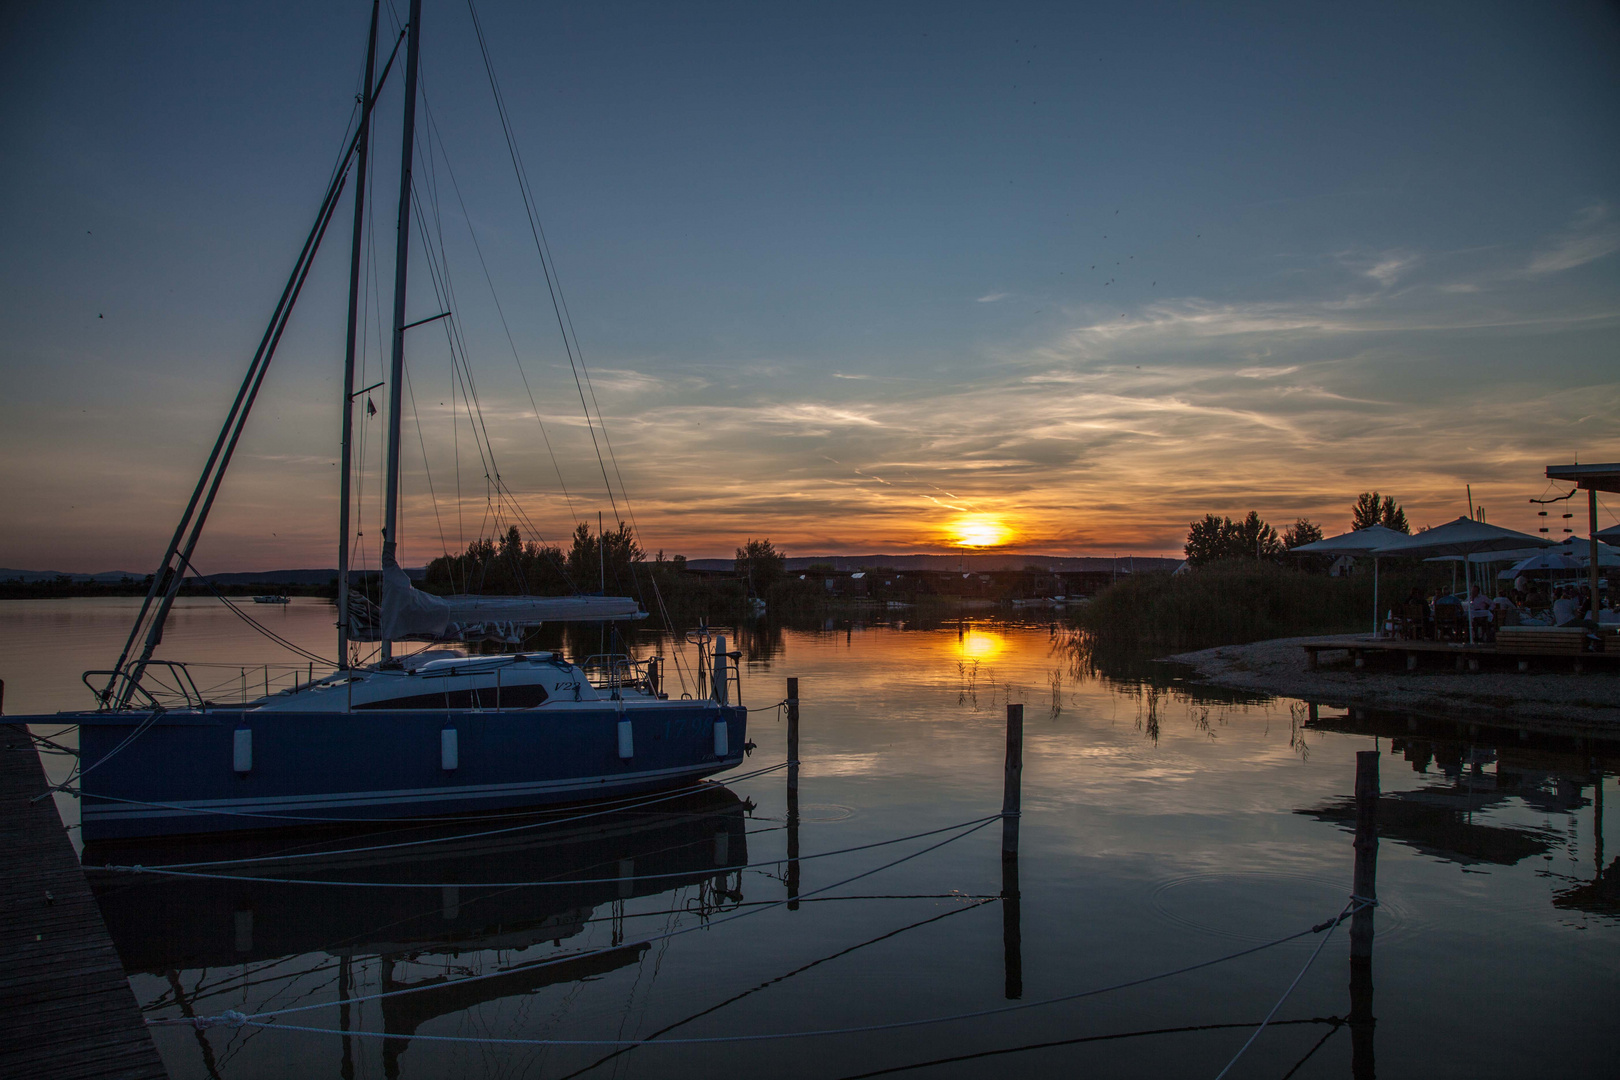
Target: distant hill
(262, 577)
(8, 574)
(982, 563)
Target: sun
(979, 531)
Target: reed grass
(1231, 603)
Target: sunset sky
(857, 278)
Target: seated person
(1448, 614)
(1504, 611)
(1565, 608)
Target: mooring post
(1012, 937)
(1364, 889)
(793, 794)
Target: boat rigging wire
(167, 579)
(436, 137)
(537, 232)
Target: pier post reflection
(1365, 887)
(1012, 940)
(345, 993)
(793, 794)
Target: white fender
(449, 749)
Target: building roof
(1588, 477)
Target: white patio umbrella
(1464, 537)
(1360, 542)
(1546, 560)
(1580, 548)
(1611, 535)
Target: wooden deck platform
(66, 1008)
(1416, 654)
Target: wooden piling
(1012, 780)
(1012, 938)
(793, 794)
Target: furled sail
(408, 613)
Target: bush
(1230, 603)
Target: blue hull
(182, 774)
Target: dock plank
(66, 1008)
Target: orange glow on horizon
(979, 531)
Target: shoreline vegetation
(1235, 602)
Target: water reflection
(1164, 823)
(1473, 786)
(222, 943)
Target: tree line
(593, 562)
(1216, 538)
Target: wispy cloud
(990, 298)
(1592, 235)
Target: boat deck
(66, 1008)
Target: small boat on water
(417, 736)
(272, 599)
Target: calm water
(1162, 827)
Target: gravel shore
(1563, 699)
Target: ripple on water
(1261, 905)
(824, 813)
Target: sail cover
(408, 613)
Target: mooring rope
(170, 871)
(256, 1019)
(80, 771)
(1357, 903)
(236, 1019)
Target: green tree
(1391, 516)
(1252, 538)
(585, 558)
(1300, 533)
(1209, 540)
(1215, 538)
(1367, 512)
(760, 564)
(1371, 510)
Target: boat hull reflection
(454, 895)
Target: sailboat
(421, 736)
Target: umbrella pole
(1375, 596)
(1468, 595)
(1591, 532)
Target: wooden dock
(66, 1008)
(1413, 655)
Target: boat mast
(396, 369)
(348, 359)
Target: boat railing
(174, 684)
(615, 672)
(159, 684)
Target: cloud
(1390, 267)
(990, 298)
(1591, 236)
